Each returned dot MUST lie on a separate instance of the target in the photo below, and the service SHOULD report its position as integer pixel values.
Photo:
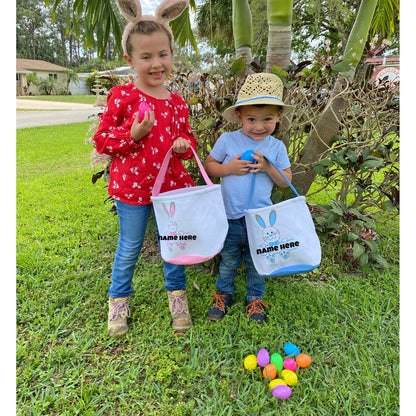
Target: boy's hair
(279, 107)
(146, 27)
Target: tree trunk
(242, 29)
(279, 19)
(319, 141)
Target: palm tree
(279, 19)
(320, 138)
(71, 76)
(31, 79)
(102, 19)
(242, 29)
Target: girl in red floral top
(137, 148)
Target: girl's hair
(146, 27)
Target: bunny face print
(270, 233)
(273, 244)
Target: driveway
(49, 113)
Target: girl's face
(151, 59)
(258, 122)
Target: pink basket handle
(161, 175)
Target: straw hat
(263, 88)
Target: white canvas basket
(282, 237)
(192, 224)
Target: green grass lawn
(82, 99)
(67, 365)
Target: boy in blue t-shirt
(258, 109)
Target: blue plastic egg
(291, 349)
(247, 156)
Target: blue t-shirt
(236, 188)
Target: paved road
(59, 113)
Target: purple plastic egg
(282, 392)
(143, 108)
(290, 364)
(263, 358)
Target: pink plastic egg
(263, 358)
(143, 108)
(290, 364)
(282, 392)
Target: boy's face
(258, 122)
(151, 58)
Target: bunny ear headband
(132, 10)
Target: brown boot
(118, 312)
(178, 305)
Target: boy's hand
(236, 166)
(139, 130)
(262, 165)
(181, 145)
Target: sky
(150, 6)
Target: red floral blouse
(134, 166)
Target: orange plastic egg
(269, 372)
(303, 360)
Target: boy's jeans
(234, 251)
(132, 224)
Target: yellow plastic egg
(289, 377)
(276, 382)
(250, 362)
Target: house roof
(29, 65)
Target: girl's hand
(181, 145)
(139, 130)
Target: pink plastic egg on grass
(143, 108)
(263, 358)
(290, 364)
(282, 392)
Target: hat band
(258, 98)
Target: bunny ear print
(166, 210)
(171, 9)
(130, 9)
(172, 209)
(260, 221)
(272, 217)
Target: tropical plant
(31, 79)
(102, 20)
(71, 76)
(49, 86)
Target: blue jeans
(132, 225)
(236, 250)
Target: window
(53, 76)
(17, 77)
